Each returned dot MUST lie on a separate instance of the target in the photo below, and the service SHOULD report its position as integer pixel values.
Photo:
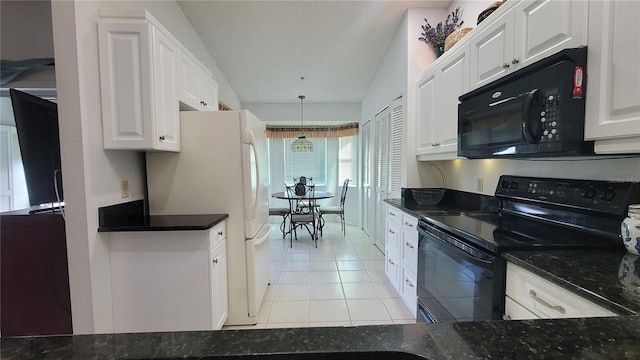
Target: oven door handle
(453, 250)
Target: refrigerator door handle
(249, 138)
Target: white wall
(470, 10)
(91, 174)
(26, 30)
(462, 174)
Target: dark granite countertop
(589, 338)
(168, 223)
(131, 216)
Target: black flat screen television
(38, 136)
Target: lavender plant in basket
(435, 36)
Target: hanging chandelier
(302, 144)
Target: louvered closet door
(381, 173)
(396, 153)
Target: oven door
(457, 282)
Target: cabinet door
(165, 76)
(613, 94)
(453, 83)
(426, 112)
(408, 291)
(545, 27)
(392, 244)
(190, 82)
(392, 269)
(409, 245)
(125, 85)
(490, 50)
(218, 276)
(210, 93)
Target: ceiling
(265, 47)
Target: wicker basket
(455, 36)
(427, 196)
(489, 10)
(430, 196)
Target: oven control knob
(513, 185)
(607, 195)
(504, 184)
(589, 192)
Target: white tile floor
(339, 283)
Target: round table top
(317, 195)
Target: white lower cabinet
(401, 257)
(169, 280)
(529, 296)
(218, 285)
(408, 290)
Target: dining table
(317, 195)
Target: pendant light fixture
(302, 144)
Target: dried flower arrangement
(435, 36)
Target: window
(310, 164)
(347, 162)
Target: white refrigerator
(222, 169)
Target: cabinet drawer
(410, 223)
(547, 300)
(218, 234)
(393, 214)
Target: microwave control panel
(550, 116)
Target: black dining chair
(336, 210)
(300, 215)
(284, 212)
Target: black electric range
(461, 275)
(544, 213)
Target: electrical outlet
(124, 188)
(479, 184)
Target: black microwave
(537, 111)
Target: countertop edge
(209, 221)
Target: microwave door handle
(530, 124)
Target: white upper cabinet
(198, 90)
(138, 81)
(490, 51)
(426, 113)
(146, 78)
(438, 92)
(528, 32)
(613, 91)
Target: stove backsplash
(452, 200)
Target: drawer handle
(162, 138)
(409, 246)
(391, 213)
(215, 261)
(391, 262)
(220, 233)
(408, 283)
(409, 225)
(557, 308)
